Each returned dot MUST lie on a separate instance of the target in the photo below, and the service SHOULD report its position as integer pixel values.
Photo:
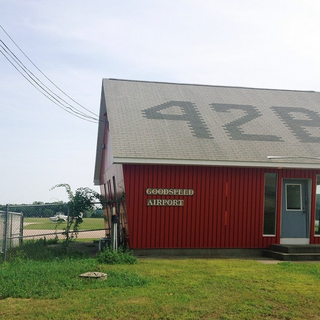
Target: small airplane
(58, 217)
(61, 217)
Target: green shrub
(120, 256)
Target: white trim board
(270, 164)
(294, 241)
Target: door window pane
(270, 204)
(293, 197)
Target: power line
(36, 87)
(43, 73)
(40, 86)
(16, 62)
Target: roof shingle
(170, 123)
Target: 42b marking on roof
(192, 116)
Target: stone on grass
(94, 275)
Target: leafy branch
(82, 200)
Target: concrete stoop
(310, 252)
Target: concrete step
(291, 256)
(309, 248)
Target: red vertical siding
(226, 210)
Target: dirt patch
(51, 234)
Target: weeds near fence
(19, 223)
(41, 249)
(52, 249)
(120, 256)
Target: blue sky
(76, 43)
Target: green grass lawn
(160, 289)
(46, 224)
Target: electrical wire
(40, 86)
(11, 57)
(43, 73)
(43, 91)
(36, 87)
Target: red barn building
(209, 167)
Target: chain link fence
(22, 223)
(11, 229)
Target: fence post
(21, 229)
(5, 238)
(68, 227)
(9, 236)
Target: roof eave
(256, 164)
(100, 140)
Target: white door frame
(298, 241)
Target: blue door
(295, 205)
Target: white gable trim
(269, 164)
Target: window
(293, 197)
(270, 204)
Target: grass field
(46, 224)
(160, 289)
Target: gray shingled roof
(152, 122)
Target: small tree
(82, 200)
